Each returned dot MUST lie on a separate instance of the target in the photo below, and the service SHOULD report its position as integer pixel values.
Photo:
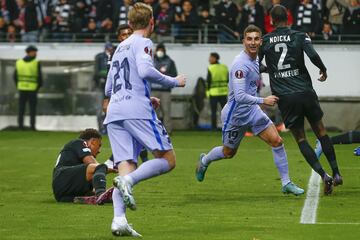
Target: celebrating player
(131, 120)
(290, 81)
(242, 110)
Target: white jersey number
(278, 47)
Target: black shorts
(69, 182)
(295, 107)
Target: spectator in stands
(81, 10)
(269, 27)
(28, 80)
(27, 21)
(351, 19)
(106, 26)
(207, 23)
(62, 21)
(91, 33)
(121, 10)
(11, 35)
(165, 65)
(307, 18)
(226, 13)
(163, 21)
(176, 10)
(292, 5)
(155, 4)
(3, 29)
(252, 13)
(336, 14)
(189, 22)
(217, 80)
(327, 31)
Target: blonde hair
(140, 15)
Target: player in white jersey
(131, 120)
(242, 110)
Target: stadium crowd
(176, 20)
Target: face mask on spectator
(160, 54)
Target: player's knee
(276, 142)
(170, 157)
(229, 153)
(91, 167)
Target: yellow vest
(27, 75)
(219, 80)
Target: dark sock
(328, 150)
(144, 155)
(311, 158)
(347, 138)
(99, 179)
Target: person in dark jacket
(165, 65)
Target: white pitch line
(308, 214)
(338, 223)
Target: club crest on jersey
(148, 51)
(239, 74)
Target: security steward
(217, 89)
(28, 80)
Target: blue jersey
(128, 79)
(242, 102)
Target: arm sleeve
(238, 81)
(312, 54)
(108, 84)
(40, 77)
(208, 80)
(173, 70)
(146, 69)
(81, 149)
(15, 77)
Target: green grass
(240, 198)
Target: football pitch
(240, 198)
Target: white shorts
(128, 137)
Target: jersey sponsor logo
(285, 74)
(239, 74)
(86, 150)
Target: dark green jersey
(73, 153)
(283, 50)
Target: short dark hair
(122, 27)
(278, 14)
(89, 133)
(31, 48)
(215, 55)
(252, 28)
(161, 46)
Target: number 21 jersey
(128, 79)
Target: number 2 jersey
(128, 81)
(284, 56)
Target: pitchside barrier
(70, 101)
